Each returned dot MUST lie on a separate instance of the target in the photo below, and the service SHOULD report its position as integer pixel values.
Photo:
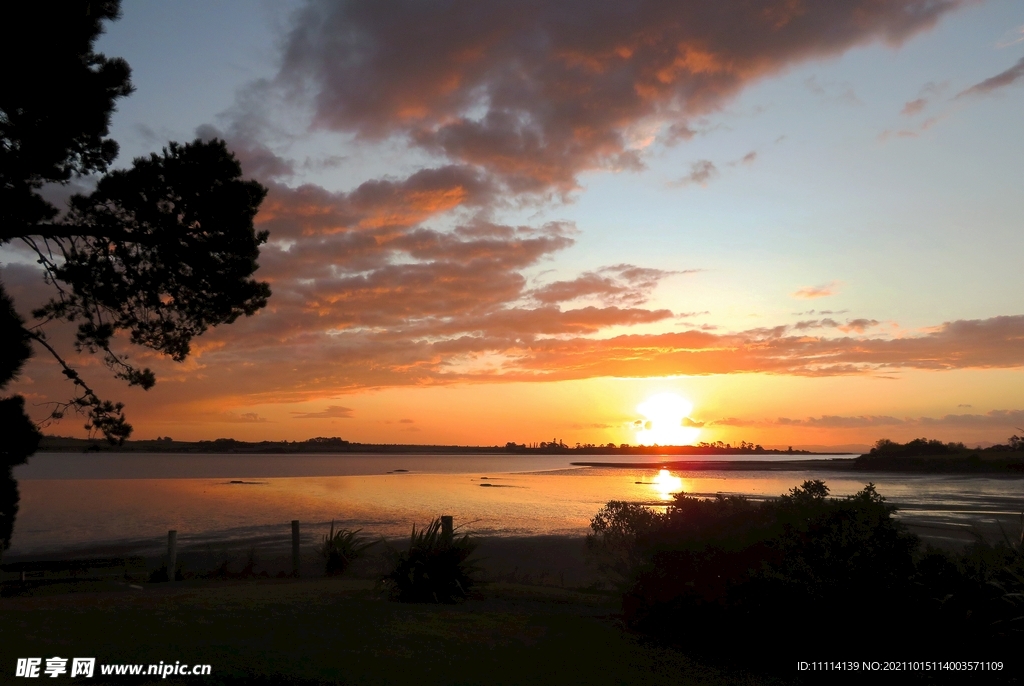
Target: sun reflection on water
(667, 485)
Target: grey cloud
(538, 91)
(815, 324)
(258, 161)
(1001, 80)
(701, 172)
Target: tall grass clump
(341, 548)
(436, 568)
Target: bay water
(115, 503)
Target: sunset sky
(497, 222)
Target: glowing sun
(666, 415)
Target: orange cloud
(243, 418)
(330, 412)
(822, 291)
(858, 325)
(995, 419)
(516, 346)
(623, 283)
(914, 107)
(378, 205)
(962, 344)
(465, 315)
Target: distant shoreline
(229, 445)
(839, 465)
(1010, 463)
(925, 464)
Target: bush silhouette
(712, 573)
(727, 565)
(435, 569)
(974, 597)
(621, 533)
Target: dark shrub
(435, 569)
(805, 572)
(732, 567)
(621, 536)
(975, 597)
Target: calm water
(128, 502)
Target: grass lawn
(339, 632)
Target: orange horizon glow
(773, 411)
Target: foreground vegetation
(435, 568)
(712, 591)
(341, 631)
(827, 574)
(341, 548)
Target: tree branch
(104, 416)
(40, 338)
(70, 231)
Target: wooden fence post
(172, 553)
(447, 530)
(295, 548)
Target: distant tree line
(743, 447)
(922, 446)
(922, 454)
(716, 448)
